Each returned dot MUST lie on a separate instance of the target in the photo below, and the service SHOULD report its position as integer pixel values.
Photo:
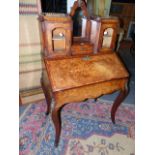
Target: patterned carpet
(86, 130)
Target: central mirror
(77, 22)
(78, 13)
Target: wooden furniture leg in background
(20, 100)
(120, 38)
(117, 102)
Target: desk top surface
(84, 70)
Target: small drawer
(81, 48)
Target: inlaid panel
(77, 71)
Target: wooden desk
(77, 78)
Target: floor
(86, 130)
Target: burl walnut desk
(79, 67)
(77, 78)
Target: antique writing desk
(77, 78)
(79, 67)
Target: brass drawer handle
(86, 58)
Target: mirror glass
(77, 22)
(107, 37)
(58, 39)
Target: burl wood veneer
(82, 47)
(78, 68)
(56, 34)
(77, 78)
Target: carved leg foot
(48, 105)
(95, 99)
(48, 108)
(57, 124)
(47, 113)
(117, 103)
(85, 100)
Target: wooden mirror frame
(85, 34)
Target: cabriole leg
(117, 102)
(47, 97)
(57, 124)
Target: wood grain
(76, 72)
(52, 25)
(82, 47)
(88, 91)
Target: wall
(107, 7)
(30, 67)
(69, 5)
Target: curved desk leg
(117, 103)
(48, 101)
(95, 99)
(47, 97)
(57, 124)
(48, 107)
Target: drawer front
(88, 91)
(82, 49)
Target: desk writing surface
(79, 71)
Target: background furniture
(125, 11)
(99, 7)
(120, 38)
(59, 6)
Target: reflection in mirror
(58, 39)
(77, 22)
(107, 37)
